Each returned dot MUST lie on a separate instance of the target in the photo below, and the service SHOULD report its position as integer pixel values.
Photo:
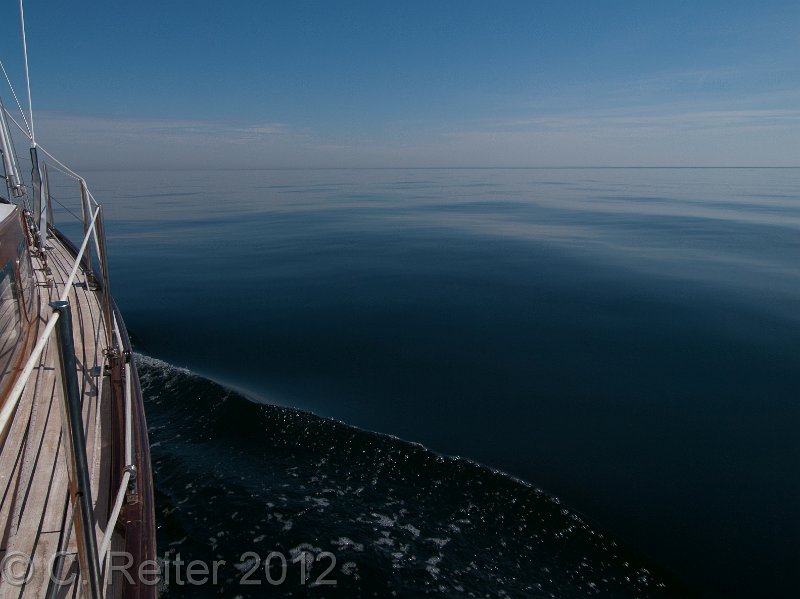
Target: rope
(67, 171)
(10, 404)
(76, 266)
(59, 169)
(112, 521)
(13, 120)
(126, 477)
(59, 166)
(128, 414)
(13, 93)
(16, 392)
(91, 197)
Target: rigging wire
(29, 131)
(56, 200)
(13, 120)
(15, 182)
(60, 166)
(27, 74)
(71, 213)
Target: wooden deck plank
(12, 450)
(35, 513)
(39, 494)
(11, 465)
(19, 437)
(48, 542)
(42, 442)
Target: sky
(274, 84)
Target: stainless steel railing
(90, 557)
(41, 209)
(72, 424)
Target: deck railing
(91, 558)
(39, 217)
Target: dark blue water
(625, 339)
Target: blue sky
(504, 83)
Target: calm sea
(624, 340)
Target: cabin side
(18, 297)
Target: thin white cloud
(109, 142)
(699, 120)
(635, 137)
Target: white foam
(343, 543)
(383, 520)
(431, 567)
(412, 529)
(320, 501)
(350, 569)
(159, 364)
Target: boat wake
(295, 501)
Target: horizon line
(376, 168)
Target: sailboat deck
(35, 510)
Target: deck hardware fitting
(132, 496)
